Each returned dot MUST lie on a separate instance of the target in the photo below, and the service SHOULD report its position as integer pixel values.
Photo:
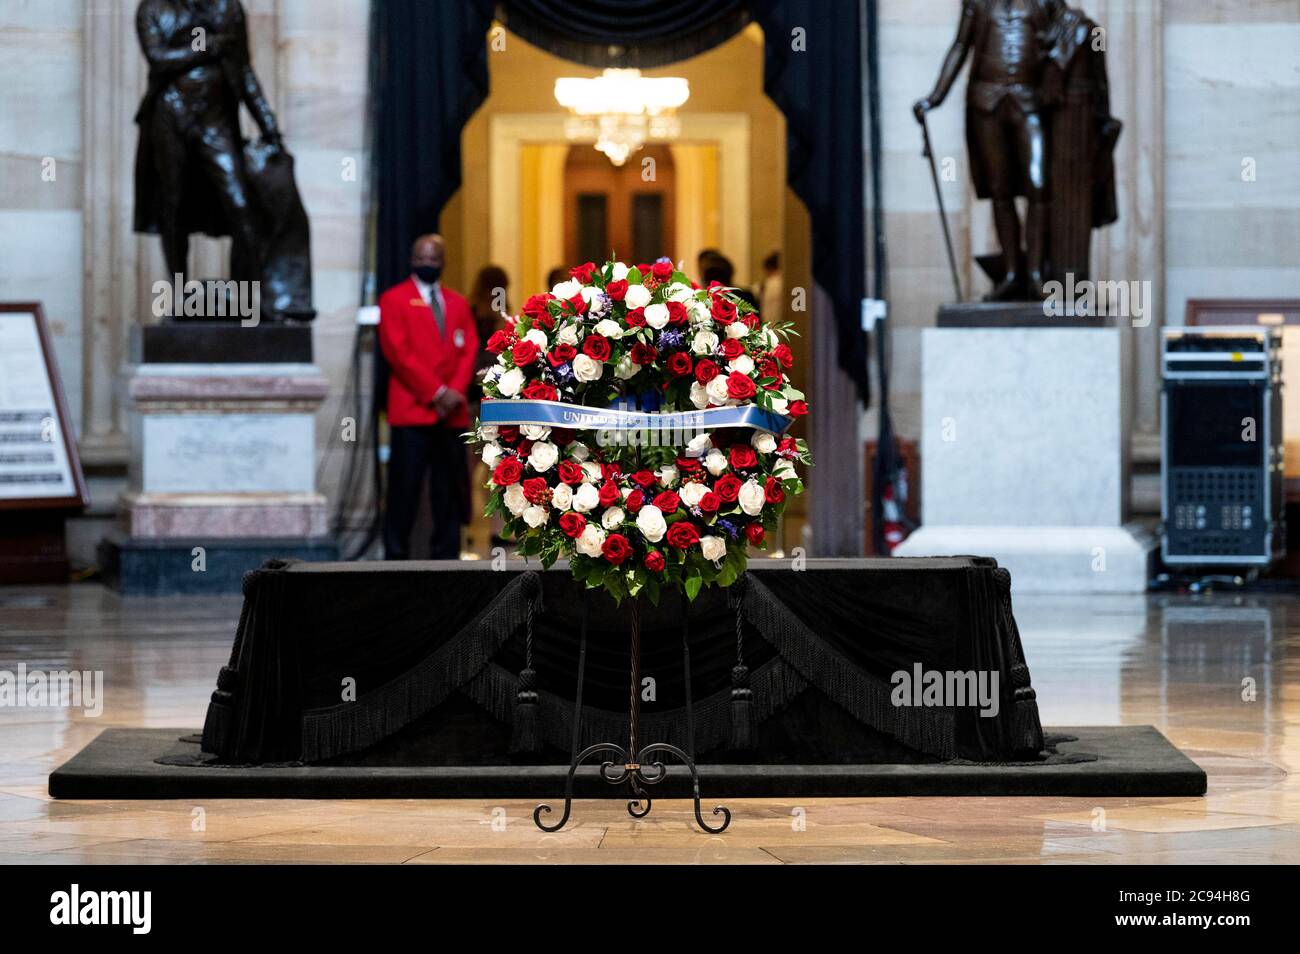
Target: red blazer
(423, 361)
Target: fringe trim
(774, 684)
(863, 696)
(352, 726)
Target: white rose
(717, 389)
(494, 371)
(713, 548)
(562, 497)
(491, 454)
(579, 451)
(536, 515)
(679, 292)
(667, 475)
(535, 432)
(742, 363)
(515, 500)
(585, 498)
(715, 462)
(704, 342)
(699, 396)
(752, 498)
(543, 456)
(650, 521)
(511, 382)
(693, 493)
(538, 337)
(763, 441)
(784, 470)
(587, 368)
(626, 368)
(591, 472)
(568, 334)
(618, 272)
(592, 539)
(638, 296)
(700, 314)
(612, 518)
(609, 328)
(737, 329)
(488, 432)
(768, 338)
(656, 316)
(780, 405)
(566, 290)
(698, 445)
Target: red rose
(570, 473)
(654, 561)
(643, 353)
(635, 500)
(610, 471)
(583, 272)
(754, 533)
(783, 354)
(562, 436)
(676, 313)
(616, 548)
(797, 409)
(787, 447)
(678, 364)
(768, 368)
(643, 269)
(508, 472)
(750, 321)
(572, 523)
(683, 535)
(536, 491)
(662, 270)
(732, 349)
(525, 448)
(728, 488)
(578, 304)
(636, 318)
(525, 352)
(705, 371)
(742, 457)
(541, 391)
(617, 289)
(668, 502)
(689, 466)
(596, 347)
(723, 309)
(499, 341)
(535, 306)
(740, 386)
(710, 502)
(773, 492)
(508, 433)
(643, 478)
(561, 354)
(609, 494)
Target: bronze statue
(1038, 125)
(195, 172)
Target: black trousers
(415, 450)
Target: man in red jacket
(427, 334)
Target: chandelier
(621, 109)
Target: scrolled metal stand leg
(576, 758)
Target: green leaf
(693, 583)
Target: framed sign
(39, 466)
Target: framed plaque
(39, 466)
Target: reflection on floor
(1214, 675)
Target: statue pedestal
(222, 472)
(1024, 451)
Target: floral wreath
(587, 381)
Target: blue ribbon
(578, 417)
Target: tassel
(525, 736)
(742, 697)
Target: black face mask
(427, 273)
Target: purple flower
(668, 338)
(729, 528)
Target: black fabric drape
(432, 74)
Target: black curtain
(432, 75)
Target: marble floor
(1220, 676)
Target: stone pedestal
(222, 474)
(1024, 452)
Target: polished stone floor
(1220, 676)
